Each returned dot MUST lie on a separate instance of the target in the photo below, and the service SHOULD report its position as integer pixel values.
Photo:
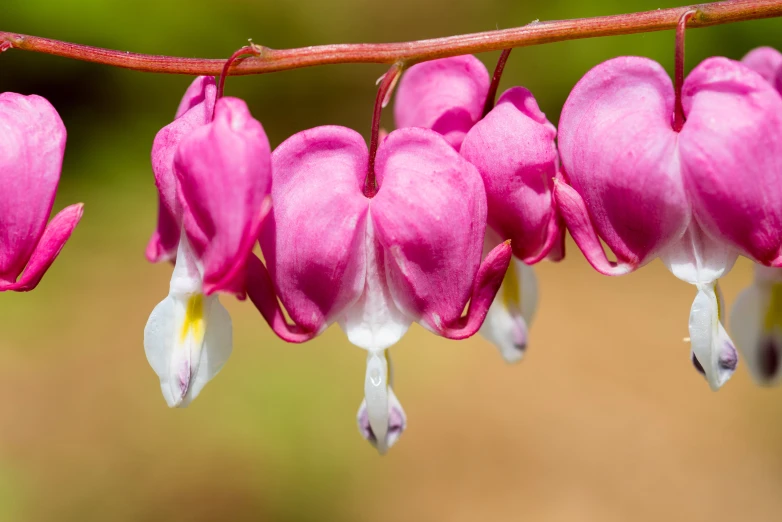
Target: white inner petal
(696, 258)
(376, 396)
(374, 322)
(187, 338)
(699, 260)
(711, 344)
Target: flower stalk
(491, 97)
(384, 91)
(678, 111)
(271, 60)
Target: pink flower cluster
(448, 215)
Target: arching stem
(387, 83)
(247, 50)
(678, 111)
(491, 96)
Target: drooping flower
(411, 253)
(756, 324)
(32, 145)
(767, 62)
(222, 178)
(513, 149)
(696, 197)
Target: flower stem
(387, 83)
(678, 110)
(244, 51)
(491, 96)
(270, 60)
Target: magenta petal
(513, 149)
(195, 110)
(260, 289)
(313, 241)
(162, 245)
(731, 150)
(32, 144)
(445, 95)
(224, 174)
(202, 89)
(487, 283)
(54, 237)
(430, 218)
(765, 61)
(618, 150)
(576, 216)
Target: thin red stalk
(244, 51)
(387, 83)
(491, 96)
(270, 60)
(678, 110)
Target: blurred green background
(605, 420)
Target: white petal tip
(724, 368)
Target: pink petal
(53, 239)
(487, 283)
(513, 149)
(430, 218)
(313, 242)
(618, 151)
(224, 174)
(445, 95)
(576, 216)
(195, 110)
(32, 144)
(766, 61)
(261, 291)
(202, 89)
(731, 154)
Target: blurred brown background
(605, 420)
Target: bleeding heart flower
(514, 151)
(32, 145)
(756, 324)
(222, 182)
(695, 198)
(767, 62)
(411, 253)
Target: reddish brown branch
(271, 60)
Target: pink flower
(222, 180)
(32, 144)
(695, 198)
(767, 62)
(412, 253)
(514, 151)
